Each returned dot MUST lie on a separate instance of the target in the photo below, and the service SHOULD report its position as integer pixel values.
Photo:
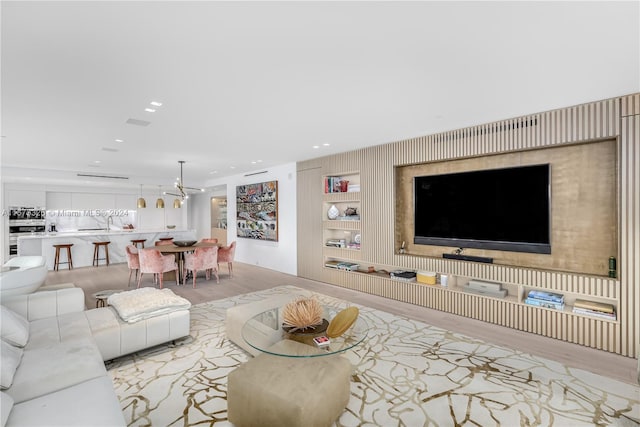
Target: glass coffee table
(264, 330)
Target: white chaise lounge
(22, 275)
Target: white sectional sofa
(22, 275)
(58, 376)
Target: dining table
(180, 251)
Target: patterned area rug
(406, 373)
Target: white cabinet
(26, 198)
(58, 201)
(92, 201)
(126, 201)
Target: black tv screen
(502, 209)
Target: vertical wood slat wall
(611, 118)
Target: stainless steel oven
(18, 213)
(24, 221)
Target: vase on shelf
(333, 212)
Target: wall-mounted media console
(590, 196)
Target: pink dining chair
(152, 261)
(226, 254)
(133, 261)
(209, 240)
(164, 242)
(205, 258)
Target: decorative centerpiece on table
(302, 320)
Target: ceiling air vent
(138, 122)
(497, 127)
(89, 175)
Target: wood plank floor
(248, 278)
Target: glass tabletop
(264, 332)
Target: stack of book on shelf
(404, 275)
(341, 265)
(336, 243)
(545, 299)
(334, 184)
(592, 308)
(332, 263)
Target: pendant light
(142, 203)
(160, 201)
(182, 195)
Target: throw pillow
(10, 357)
(15, 328)
(6, 403)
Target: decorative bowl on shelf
(184, 243)
(171, 227)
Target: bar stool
(96, 252)
(69, 262)
(136, 241)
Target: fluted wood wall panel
(607, 119)
(629, 163)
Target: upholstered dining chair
(226, 254)
(164, 242)
(202, 259)
(133, 261)
(209, 240)
(152, 261)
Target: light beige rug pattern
(406, 373)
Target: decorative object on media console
(257, 211)
(181, 188)
(333, 212)
(142, 203)
(612, 267)
(301, 314)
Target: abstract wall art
(257, 207)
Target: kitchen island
(82, 250)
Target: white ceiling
(244, 82)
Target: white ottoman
(116, 337)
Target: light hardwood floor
(248, 278)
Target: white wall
(200, 210)
(281, 255)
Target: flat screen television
(501, 209)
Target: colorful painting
(257, 207)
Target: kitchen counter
(82, 250)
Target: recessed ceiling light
(113, 150)
(316, 146)
(326, 145)
(97, 161)
(232, 167)
(137, 122)
(156, 103)
(253, 162)
(259, 161)
(150, 110)
(212, 172)
(119, 140)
